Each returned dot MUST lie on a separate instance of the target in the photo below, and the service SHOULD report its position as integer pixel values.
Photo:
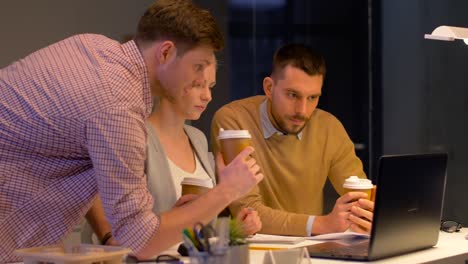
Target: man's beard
(283, 124)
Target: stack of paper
(263, 238)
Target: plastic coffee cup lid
(224, 134)
(207, 183)
(354, 182)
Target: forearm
(97, 220)
(320, 225)
(280, 222)
(203, 209)
(274, 221)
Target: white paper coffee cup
(356, 184)
(232, 142)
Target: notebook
(407, 213)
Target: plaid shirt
(72, 122)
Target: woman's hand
(250, 220)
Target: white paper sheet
(264, 238)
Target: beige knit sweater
(295, 170)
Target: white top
(179, 174)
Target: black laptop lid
(408, 207)
(410, 191)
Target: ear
(166, 51)
(268, 83)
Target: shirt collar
(268, 128)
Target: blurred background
(394, 91)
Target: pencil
(264, 248)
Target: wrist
(320, 225)
(106, 238)
(226, 192)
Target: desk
(451, 248)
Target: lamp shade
(449, 33)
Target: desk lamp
(448, 33)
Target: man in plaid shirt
(72, 125)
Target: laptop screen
(408, 208)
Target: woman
(180, 150)
(175, 151)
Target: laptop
(407, 212)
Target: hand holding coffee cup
(356, 184)
(232, 142)
(361, 214)
(196, 185)
(239, 176)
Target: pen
(191, 236)
(189, 244)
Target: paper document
(263, 238)
(342, 235)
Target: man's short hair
(182, 22)
(299, 56)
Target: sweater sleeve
(344, 162)
(274, 221)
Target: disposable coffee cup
(232, 142)
(196, 185)
(356, 184)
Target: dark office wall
(339, 29)
(424, 89)
(27, 25)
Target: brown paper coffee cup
(355, 184)
(232, 142)
(196, 186)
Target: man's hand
(239, 176)
(361, 216)
(338, 219)
(250, 220)
(185, 199)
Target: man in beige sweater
(298, 147)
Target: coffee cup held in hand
(356, 184)
(232, 142)
(196, 185)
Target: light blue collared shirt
(269, 130)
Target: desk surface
(451, 248)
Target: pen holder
(239, 254)
(207, 258)
(234, 255)
(287, 256)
